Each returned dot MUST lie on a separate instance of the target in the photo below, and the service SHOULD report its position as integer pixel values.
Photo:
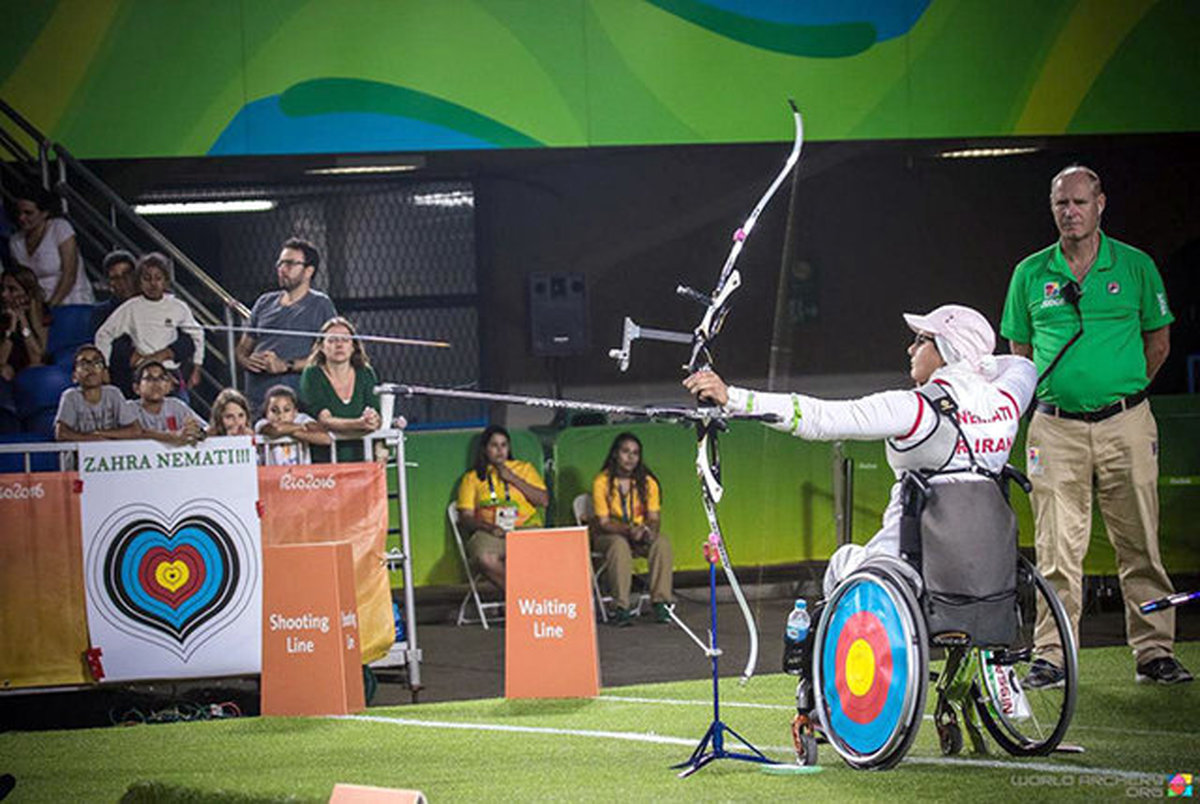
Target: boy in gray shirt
(161, 417)
(93, 410)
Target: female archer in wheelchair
(943, 566)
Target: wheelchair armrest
(1010, 472)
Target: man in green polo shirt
(1093, 423)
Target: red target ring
(863, 667)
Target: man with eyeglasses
(1092, 313)
(271, 359)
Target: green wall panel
(777, 507)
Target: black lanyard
(492, 487)
(626, 505)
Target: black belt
(1094, 415)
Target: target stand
(712, 744)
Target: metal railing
(104, 221)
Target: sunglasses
(921, 339)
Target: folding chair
(582, 507)
(481, 606)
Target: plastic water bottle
(794, 637)
(798, 623)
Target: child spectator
(153, 320)
(93, 410)
(284, 419)
(122, 284)
(230, 414)
(162, 417)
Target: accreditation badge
(506, 516)
(1033, 462)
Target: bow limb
(708, 467)
(729, 279)
(747, 614)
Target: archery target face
(865, 657)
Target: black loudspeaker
(558, 320)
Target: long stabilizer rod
(662, 412)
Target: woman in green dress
(337, 388)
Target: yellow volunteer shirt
(484, 497)
(607, 501)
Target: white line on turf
(782, 708)
(439, 724)
(678, 702)
(660, 739)
(1044, 767)
(1138, 732)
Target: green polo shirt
(1123, 296)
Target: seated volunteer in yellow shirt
(625, 499)
(496, 496)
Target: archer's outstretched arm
(889, 414)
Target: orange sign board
(43, 631)
(312, 663)
(550, 624)
(365, 794)
(346, 502)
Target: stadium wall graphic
(146, 78)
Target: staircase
(103, 221)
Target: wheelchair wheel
(1023, 720)
(870, 668)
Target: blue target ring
(867, 616)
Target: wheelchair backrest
(968, 561)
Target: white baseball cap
(961, 333)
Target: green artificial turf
(1124, 727)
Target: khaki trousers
(1119, 456)
(618, 565)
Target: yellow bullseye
(171, 575)
(860, 667)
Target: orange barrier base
(312, 663)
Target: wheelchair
(961, 587)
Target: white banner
(172, 557)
